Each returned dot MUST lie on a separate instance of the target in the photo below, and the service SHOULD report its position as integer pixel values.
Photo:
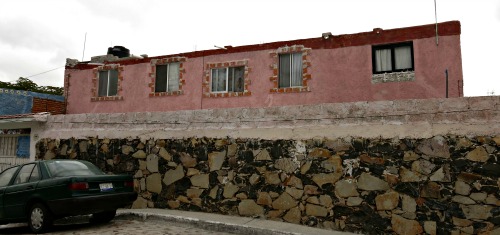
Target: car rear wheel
(39, 218)
(103, 217)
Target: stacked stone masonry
(445, 184)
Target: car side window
(6, 176)
(24, 174)
(35, 175)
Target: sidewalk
(225, 223)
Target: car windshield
(72, 168)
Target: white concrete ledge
(387, 119)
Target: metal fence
(8, 148)
(6, 162)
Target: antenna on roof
(84, 42)
(436, 16)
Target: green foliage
(26, 84)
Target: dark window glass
(7, 175)
(228, 79)
(103, 83)
(167, 77)
(161, 78)
(219, 78)
(24, 174)
(290, 70)
(113, 83)
(392, 58)
(59, 168)
(108, 83)
(236, 79)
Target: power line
(44, 72)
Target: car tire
(102, 217)
(39, 218)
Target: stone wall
(438, 185)
(404, 166)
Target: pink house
(404, 63)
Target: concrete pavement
(225, 223)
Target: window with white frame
(229, 79)
(392, 58)
(290, 70)
(108, 82)
(167, 77)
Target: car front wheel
(103, 217)
(39, 218)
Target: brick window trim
(228, 64)
(306, 64)
(95, 97)
(163, 61)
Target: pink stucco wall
(338, 75)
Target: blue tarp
(23, 147)
(21, 102)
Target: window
(167, 77)
(228, 79)
(15, 145)
(108, 83)
(290, 70)
(25, 173)
(64, 168)
(6, 176)
(392, 58)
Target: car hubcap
(37, 218)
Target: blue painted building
(14, 102)
(18, 110)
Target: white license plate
(106, 186)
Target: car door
(6, 177)
(20, 191)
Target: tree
(26, 84)
(51, 90)
(7, 85)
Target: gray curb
(204, 224)
(250, 228)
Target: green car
(42, 191)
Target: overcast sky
(38, 35)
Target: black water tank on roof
(119, 51)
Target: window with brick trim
(226, 79)
(108, 83)
(290, 70)
(167, 77)
(392, 58)
(229, 79)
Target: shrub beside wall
(375, 186)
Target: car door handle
(30, 187)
